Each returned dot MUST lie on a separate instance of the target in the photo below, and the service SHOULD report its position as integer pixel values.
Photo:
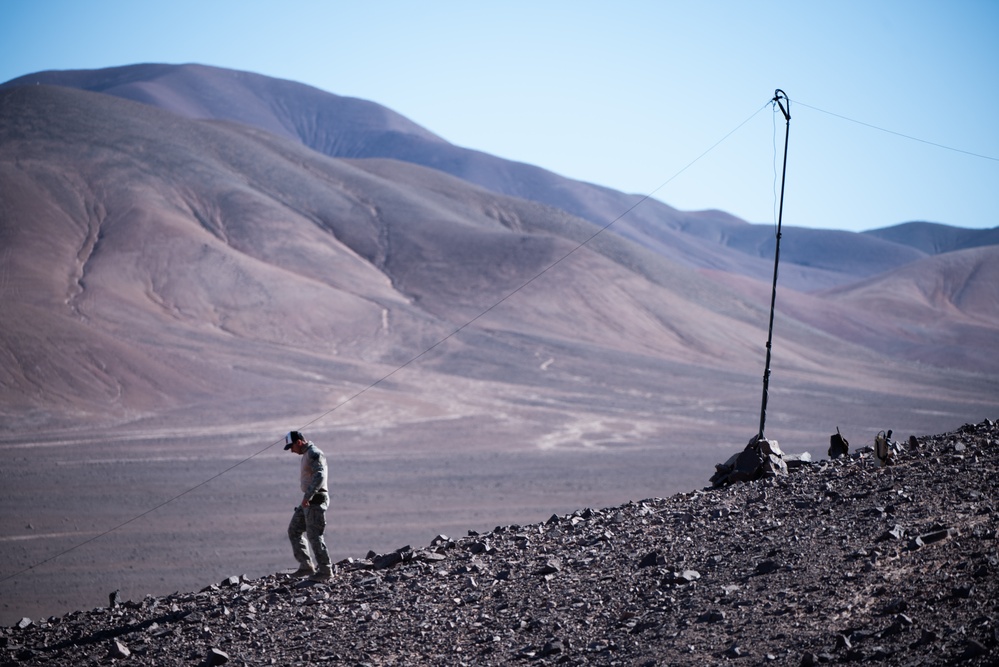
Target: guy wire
(898, 134)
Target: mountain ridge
(935, 238)
(248, 190)
(400, 139)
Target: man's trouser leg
(315, 522)
(296, 533)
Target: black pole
(778, 96)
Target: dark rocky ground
(842, 561)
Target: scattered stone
(119, 651)
(682, 577)
(713, 616)
(896, 606)
(553, 647)
(767, 567)
(442, 541)
(217, 657)
(551, 566)
(478, 547)
(773, 458)
(430, 556)
(652, 559)
(933, 537)
(797, 461)
(793, 570)
(964, 592)
(385, 561)
(973, 649)
(896, 532)
(927, 637)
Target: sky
(894, 104)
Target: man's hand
(305, 502)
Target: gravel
(839, 561)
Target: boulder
(119, 651)
(217, 657)
(760, 458)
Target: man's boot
(304, 570)
(325, 573)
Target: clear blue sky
(625, 93)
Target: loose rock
(811, 567)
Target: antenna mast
(780, 98)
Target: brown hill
(188, 246)
(940, 310)
(351, 128)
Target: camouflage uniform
(308, 523)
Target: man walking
(308, 522)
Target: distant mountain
(185, 240)
(151, 260)
(351, 128)
(941, 310)
(934, 238)
(331, 124)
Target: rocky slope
(838, 561)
